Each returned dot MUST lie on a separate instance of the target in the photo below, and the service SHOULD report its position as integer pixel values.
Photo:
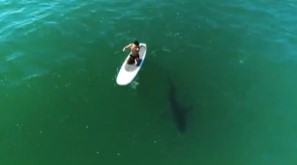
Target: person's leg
(130, 60)
(137, 60)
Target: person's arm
(128, 46)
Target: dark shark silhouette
(178, 112)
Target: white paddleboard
(128, 72)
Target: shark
(178, 111)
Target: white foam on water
(134, 84)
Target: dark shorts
(132, 58)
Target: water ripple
(14, 56)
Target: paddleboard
(128, 72)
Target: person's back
(134, 54)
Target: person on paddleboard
(134, 54)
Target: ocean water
(233, 63)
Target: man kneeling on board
(134, 54)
